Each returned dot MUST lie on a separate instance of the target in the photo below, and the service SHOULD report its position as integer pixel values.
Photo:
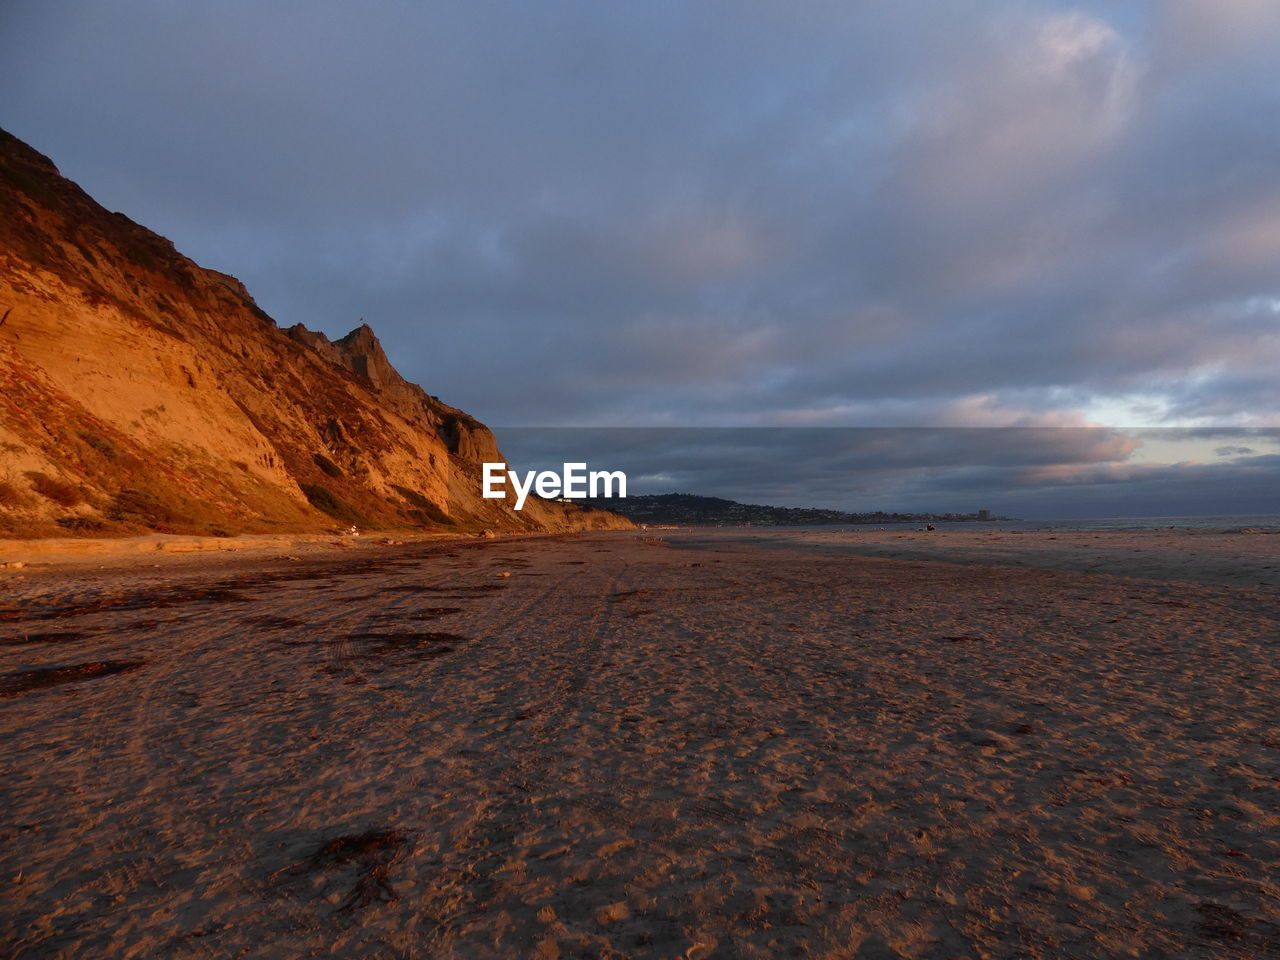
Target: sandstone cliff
(139, 391)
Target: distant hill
(142, 392)
(686, 509)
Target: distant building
(984, 514)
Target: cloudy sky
(749, 213)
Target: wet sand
(703, 744)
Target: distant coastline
(690, 510)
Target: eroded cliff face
(139, 391)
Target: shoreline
(31, 554)
(1199, 556)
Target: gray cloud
(976, 213)
(1033, 472)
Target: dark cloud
(1002, 212)
(1032, 472)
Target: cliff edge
(141, 392)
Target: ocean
(1264, 521)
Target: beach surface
(696, 744)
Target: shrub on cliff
(140, 506)
(59, 491)
(425, 512)
(10, 495)
(100, 444)
(326, 501)
(327, 465)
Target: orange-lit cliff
(139, 391)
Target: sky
(971, 213)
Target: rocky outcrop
(141, 391)
(361, 353)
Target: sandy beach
(693, 744)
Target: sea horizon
(1207, 522)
